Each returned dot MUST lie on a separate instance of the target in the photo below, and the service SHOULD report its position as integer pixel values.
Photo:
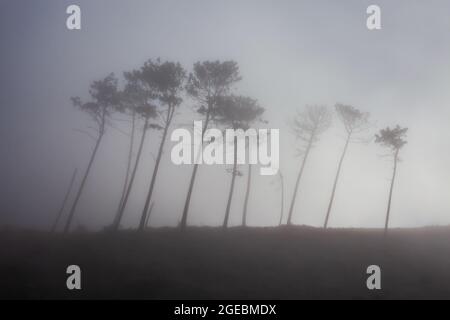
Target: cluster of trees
(150, 98)
(312, 121)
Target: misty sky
(290, 53)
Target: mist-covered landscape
(224, 150)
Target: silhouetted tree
(354, 122)
(394, 140)
(105, 98)
(140, 99)
(167, 81)
(237, 112)
(206, 84)
(308, 125)
(63, 205)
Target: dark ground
(207, 263)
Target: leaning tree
(166, 80)
(209, 81)
(140, 100)
(394, 140)
(308, 125)
(105, 98)
(237, 113)
(355, 122)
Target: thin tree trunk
(282, 199)
(80, 189)
(155, 171)
(133, 175)
(336, 181)
(300, 173)
(230, 195)
(130, 154)
(386, 225)
(183, 222)
(63, 205)
(148, 215)
(247, 194)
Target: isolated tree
(308, 125)
(140, 99)
(166, 80)
(354, 122)
(237, 112)
(105, 99)
(209, 81)
(394, 140)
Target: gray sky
(290, 53)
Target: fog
(290, 53)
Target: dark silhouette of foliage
(393, 139)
